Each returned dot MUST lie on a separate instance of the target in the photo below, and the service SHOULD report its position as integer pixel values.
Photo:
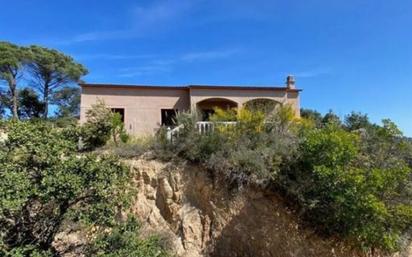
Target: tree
(331, 117)
(28, 102)
(12, 59)
(312, 115)
(356, 120)
(50, 70)
(45, 184)
(67, 100)
(4, 102)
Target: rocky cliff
(201, 217)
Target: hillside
(202, 217)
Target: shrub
(101, 125)
(123, 240)
(45, 182)
(340, 192)
(349, 180)
(118, 131)
(98, 127)
(134, 147)
(252, 150)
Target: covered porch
(206, 107)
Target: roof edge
(235, 87)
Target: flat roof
(234, 87)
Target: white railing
(173, 133)
(207, 126)
(203, 127)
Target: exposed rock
(202, 218)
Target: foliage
(342, 188)
(351, 180)
(355, 121)
(313, 116)
(98, 127)
(46, 183)
(249, 151)
(267, 106)
(331, 117)
(134, 147)
(4, 100)
(118, 131)
(28, 102)
(123, 240)
(50, 70)
(67, 100)
(12, 60)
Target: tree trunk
(46, 100)
(13, 91)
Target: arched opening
(264, 105)
(206, 107)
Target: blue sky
(346, 54)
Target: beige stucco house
(145, 108)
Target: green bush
(124, 240)
(45, 183)
(350, 180)
(118, 131)
(98, 127)
(341, 193)
(250, 151)
(101, 125)
(134, 147)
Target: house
(145, 108)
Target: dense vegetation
(350, 179)
(36, 77)
(48, 186)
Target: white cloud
(161, 15)
(143, 20)
(160, 65)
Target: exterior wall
(293, 99)
(241, 96)
(142, 106)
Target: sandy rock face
(202, 218)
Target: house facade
(144, 109)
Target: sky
(346, 55)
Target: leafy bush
(123, 240)
(341, 191)
(351, 179)
(134, 147)
(98, 127)
(46, 183)
(118, 131)
(101, 125)
(250, 151)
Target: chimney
(290, 82)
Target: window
(119, 111)
(168, 117)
